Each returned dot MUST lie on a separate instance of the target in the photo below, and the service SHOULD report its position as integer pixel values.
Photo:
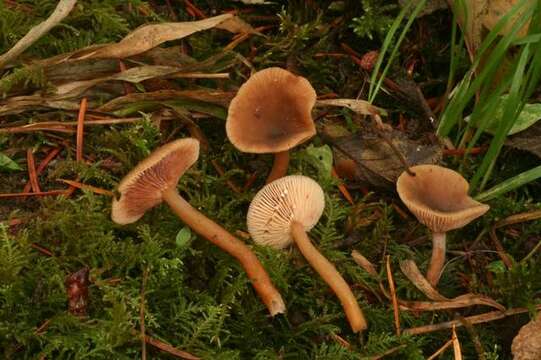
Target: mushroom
(271, 113)
(438, 197)
(282, 212)
(155, 180)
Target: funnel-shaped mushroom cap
(142, 188)
(438, 197)
(278, 204)
(271, 112)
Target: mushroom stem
(437, 260)
(227, 242)
(279, 167)
(331, 276)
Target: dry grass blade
(519, 218)
(364, 263)
(169, 348)
(62, 10)
(410, 269)
(456, 345)
(359, 106)
(67, 126)
(392, 289)
(43, 193)
(455, 303)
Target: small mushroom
(438, 197)
(271, 113)
(282, 212)
(155, 180)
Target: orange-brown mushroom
(155, 180)
(438, 197)
(282, 212)
(271, 113)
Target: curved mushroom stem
(279, 167)
(331, 276)
(437, 260)
(227, 242)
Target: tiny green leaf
(530, 114)
(7, 164)
(321, 158)
(184, 237)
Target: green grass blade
(510, 184)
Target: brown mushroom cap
(278, 204)
(438, 197)
(271, 112)
(142, 188)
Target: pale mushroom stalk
(279, 167)
(437, 260)
(282, 213)
(155, 180)
(227, 242)
(331, 276)
(438, 197)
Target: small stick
(249, 182)
(80, 129)
(42, 193)
(475, 319)
(41, 249)
(194, 9)
(82, 186)
(169, 348)
(32, 175)
(464, 151)
(499, 248)
(342, 188)
(392, 288)
(42, 165)
(142, 316)
(441, 350)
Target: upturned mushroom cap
(278, 204)
(271, 112)
(438, 197)
(142, 188)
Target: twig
(43, 193)
(32, 175)
(82, 186)
(80, 129)
(392, 289)
(142, 316)
(42, 165)
(41, 249)
(62, 10)
(441, 350)
(475, 319)
(194, 9)
(342, 188)
(167, 348)
(499, 248)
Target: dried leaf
(429, 8)
(498, 8)
(373, 161)
(77, 291)
(359, 106)
(530, 114)
(147, 37)
(364, 263)
(528, 140)
(62, 10)
(527, 343)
